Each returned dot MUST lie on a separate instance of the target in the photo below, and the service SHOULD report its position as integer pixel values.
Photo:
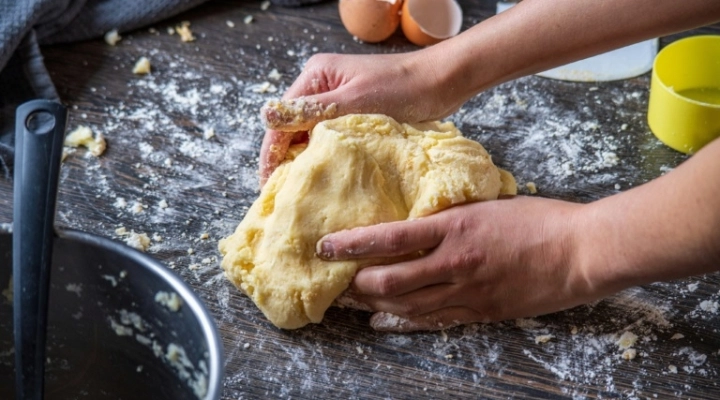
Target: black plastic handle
(39, 134)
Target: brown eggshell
(426, 22)
(370, 20)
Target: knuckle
(396, 241)
(318, 61)
(460, 263)
(386, 285)
(461, 225)
(410, 308)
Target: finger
(296, 114)
(435, 321)
(272, 152)
(383, 240)
(400, 278)
(417, 302)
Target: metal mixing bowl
(115, 327)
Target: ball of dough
(357, 170)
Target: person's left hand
(482, 262)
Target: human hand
(403, 86)
(483, 262)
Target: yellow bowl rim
(668, 88)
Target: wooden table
(575, 141)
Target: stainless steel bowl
(116, 329)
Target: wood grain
(342, 357)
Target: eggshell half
(370, 20)
(426, 22)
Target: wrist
(595, 267)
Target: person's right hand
(409, 87)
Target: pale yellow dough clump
(357, 170)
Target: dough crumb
(209, 134)
(677, 336)
(265, 87)
(542, 339)
(672, 369)
(626, 340)
(142, 66)
(111, 279)
(274, 75)
(121, 231)
(138, 241)
(184, 31)
(83, 136)
(532, 188)
(629, 354)
(112, 37)
(74, 288)
(172, 301)
(204, 236)
(574, 330)
(120, 330)
(138, 207)
(163, 204)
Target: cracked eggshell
(370, 20)
(426, 22)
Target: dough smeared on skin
(357, 170)
(295, 115)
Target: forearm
(536, 35)
(666, 229)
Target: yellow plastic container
(684, 106)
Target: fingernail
(325, 249)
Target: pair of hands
(484, 262)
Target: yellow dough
(357, 170)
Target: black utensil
(39, 138)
